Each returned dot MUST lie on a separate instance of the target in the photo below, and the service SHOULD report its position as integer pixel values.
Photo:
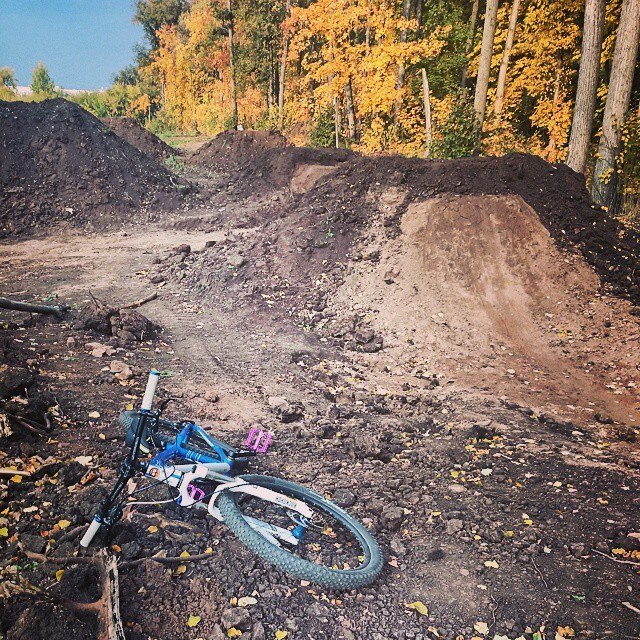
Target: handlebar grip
(91, 532)
(150, 391)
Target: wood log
(15, 305)
(140, 302)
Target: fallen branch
(535, 566)
(140, 302)
(5, 471)
(25, 425)
(35, 425)
(107, 608)
(605, 555)
(15, 305)
(40, 557)
(631, 607)
(166, 560)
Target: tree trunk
(504, 64)
(427, 112)
(283, 68)
(337, 122)
(552, 147)
(351, 111)
(484, 67)
(406, 14)
(586, 93)
(620, 83)
(232, 69)
(470, 39)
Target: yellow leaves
(194, 621)
(418, 606)
(180, 569)
(564, 632)
(4, 532)
(234, 633)
(63, 524)
(185, 554)
(59, 573)
(152, 529)
(16, 479)
(281, 635)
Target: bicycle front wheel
(334, 550)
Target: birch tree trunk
(484, 67)
(504, 64)
(586, 94)
(427, 112)
(282, 75)
(232, 69)
(622, 69)
(470, 39)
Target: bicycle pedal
(258, 440)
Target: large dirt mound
(501, 258)
(128, 129)
(264, 160)
(60, 164)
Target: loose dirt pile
(259, 161)
(446, 264)
(58, 164)
(128, 129)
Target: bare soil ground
(467, 378)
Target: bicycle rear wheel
(336, 551)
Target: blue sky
(82, 42)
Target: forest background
(435, 78)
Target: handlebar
(149, 392)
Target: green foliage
(41, 83)
(129, 76)
(115, 101)
(323, 132)
(154, 14)
(8, 78)
(455, 138)
(7, 83)
(175, 163)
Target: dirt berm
(60, 164)
(490, 263)
(128, 129)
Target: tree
(232, 67)
(504, 64)
(155, 14)
(128, 76)
(620, 83)
(8, 78)
(283, 70)
(41, 83)
(484, 66)
(586, 93)
(469, 43)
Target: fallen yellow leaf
(281, 635)
(181, 568)
(16, 479)
(152, 528)
(193, 621)
(4, 532)
(234, 633)
(59, 573)
(418, 606)
(63, 524)
(185, 554)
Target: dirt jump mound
(136, 135)
(265, 160)
(60, 164)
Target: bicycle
(286, 524)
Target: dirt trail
(446, 351)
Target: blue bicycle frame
(178, 449)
